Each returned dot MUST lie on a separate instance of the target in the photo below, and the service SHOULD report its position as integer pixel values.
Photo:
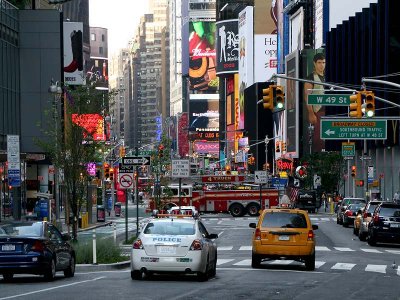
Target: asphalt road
(346, 269)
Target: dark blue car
(34, 248)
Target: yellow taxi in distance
(283, 233)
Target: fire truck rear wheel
(253, 209)
(237, 210)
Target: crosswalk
(317, 249)
(227, 219)
(319, 265)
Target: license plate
(8, 248)
(166, 250)
(395, 225)
(283, 237)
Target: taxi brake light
(137, 244)
(257, 234)
(310, 235)
(196, 245)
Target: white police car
(174, 244)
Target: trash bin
(101, 213)
(117, 209)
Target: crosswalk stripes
(245, 248)
(376, 268)
(343, 266)
(225, 248)
(322, 248)
(221, 261)
(394, 251)
(344, 249)
(319, 264)
(244, 262)
(372, 250)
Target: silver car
(174, 244)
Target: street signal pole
(355, 106)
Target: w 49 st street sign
(329, 99)
(136, 161)
(353, 129)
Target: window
(100, 50)
(92, 36)
(103, 38)
(284, 220)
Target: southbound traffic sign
(353, 129)
(136, 161)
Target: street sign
(371, 173)
(221, 179)
(126, 168)
(348, 149)
(354, 129)
(180, 168)
(145, 152)
(332, 99)
(136, 161)
(260, 177)
(317, 181)
(279, 183)
(126, 181)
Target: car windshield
(390, 211)
(170, 228)
(372, 207)
(356, 206)
(284, 220)
(21, 229)
(353, 201)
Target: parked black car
(351, 212)
(343, 206)
(34, 248)
(384, 226)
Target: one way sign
(136, 161)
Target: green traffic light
(370, 113)
(279, 105)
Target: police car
(174, 244)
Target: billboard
(183, 141)
(313, 68)
(227, 46)
(292, 105)
(93, 125)
(202, 147)
(202, 71)
(97, 74)
(73, 53)
(204, 113)
(265, 54)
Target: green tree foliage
(329, 165)
(70, 146)
(21, 4)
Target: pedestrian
(323, 198)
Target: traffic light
(251, 160)
(161, 151)
(360, 183)
(369, 104)
(278, 146)
(106, 171)
(353, 171)
(279, 98)
(355, 105)
(121, 151)
(283, 147)
(112, 174)
(228, 170)
(268, 97)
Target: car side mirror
(66, 237)
(314, 227)
(213, 236)
(252, 225)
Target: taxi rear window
(284, 220)
(170, 228)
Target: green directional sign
(333, 99)
(353, 129)
(145, 152)
(348, 149)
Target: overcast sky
(120, 17)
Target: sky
(120, 17)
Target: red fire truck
(237, 202)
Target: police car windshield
(170, 228)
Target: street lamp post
(310, 136)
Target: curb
(96, 226)
(102, 267)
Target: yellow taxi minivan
(283, 233)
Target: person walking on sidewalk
(324, 200)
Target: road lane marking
(370, 250)
(281, 262)
(219, 222)
(221, 261)
(343, 266)
(225, 248)
(325, 219)
(244, 262)
(344, 249)
(393, 251)
(269, 270)
(314, 219)
(322, 248)
(319, 264)
(245, 248)
(52, 288)
(376, 268)
(398, 271)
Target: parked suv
(365, 218)
(385, 224)
(343, 206)
(284, 234)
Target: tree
(71, 146)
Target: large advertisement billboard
(313, 68)
(292, 105)
(265, 54)
(202, 65)
(204, 113)
(93, 125)
(227, 46)
(73, 53)
(97, 73)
